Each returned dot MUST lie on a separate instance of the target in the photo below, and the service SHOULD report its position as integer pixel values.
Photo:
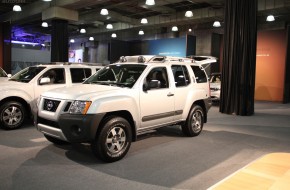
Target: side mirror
(151, 85)
(9, 75)
(44, 80)
(145, 87)
(154, 84)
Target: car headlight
(79, 107)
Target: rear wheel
(194, 122)
(12, 115)
(114, 139)
(55, 140)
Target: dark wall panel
(6, 48)
(190, 45)
(117, 49)
(286, 97)
(216, 41)
(59, 41)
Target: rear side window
(181, 75)
(80, 74)
(199, 73)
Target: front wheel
(194, 122)
(114, 139)
(12, 115)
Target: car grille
(50, 105)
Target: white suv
(19, 94)
(122, 100)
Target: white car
(3, 75)
(125, 99)
(19, 94)
(215, 86)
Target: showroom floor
(163, 159)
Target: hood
(7, 84)
(80, 92)
(3, 79)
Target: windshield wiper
(99, 82)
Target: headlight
(79, 107)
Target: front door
(157, 102)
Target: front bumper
(71, 128)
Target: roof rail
(157, 59)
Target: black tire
(114, 139)
(12, 115)
(194, 122)
(55, 140)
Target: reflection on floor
(272, 171)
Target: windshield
(27, 74)
(2, 73)
(123, 75)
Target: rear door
(182, 84)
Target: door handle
(170, 94)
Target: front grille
(50, 105)
(48, 122)
(67, 106)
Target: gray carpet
(163, 159)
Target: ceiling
(125, 15)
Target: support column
(59, 40)
(286, 97)
(5, 46)
(239, 67)
(59, 32)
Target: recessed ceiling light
(144, 21)
(83, 31)
(114, 35)
(270, 18)
(109, 26)
(17, 8)
(174, 28)
(188, 14)
(104, 12)
(44, 24)
(150, 2)
(216, 24)
(91, 39)
(141, 32)
(72, 41)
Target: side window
(199, 73)
(79, 75)
(56, 76)
(181, 75)
(157, 78)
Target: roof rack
(162, 59)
